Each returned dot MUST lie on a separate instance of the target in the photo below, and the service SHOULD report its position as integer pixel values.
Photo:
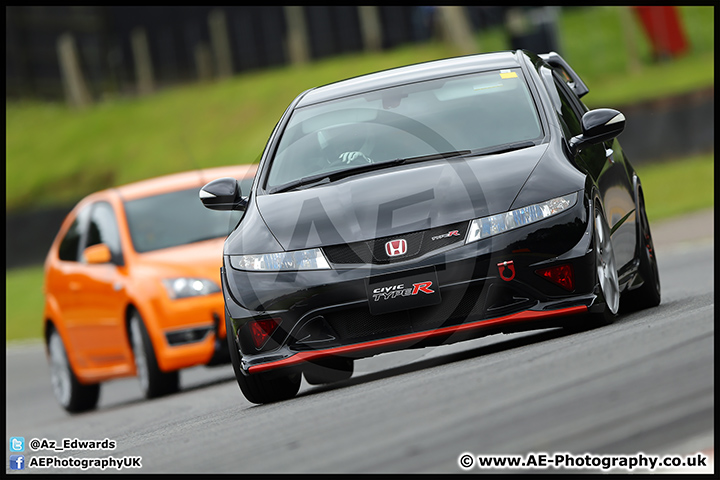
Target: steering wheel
(353, 158)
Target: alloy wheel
(605, 264)
(141, 363)
(59, 370)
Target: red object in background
(664, 30)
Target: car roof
(411, 73)
(181, 181)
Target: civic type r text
(394, 291)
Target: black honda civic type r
(426, 205)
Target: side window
(569, 116)
(102, 228)
(70, 244)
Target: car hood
(200, 259)
(398, 200)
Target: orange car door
(63, 281)
(99, 326)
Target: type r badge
(506, 270)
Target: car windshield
(455, 114)
(173, 219)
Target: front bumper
(188, 331)
(327, 312)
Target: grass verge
(677, 187)
(24, 303)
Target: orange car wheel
(69, 392)
(153, 381)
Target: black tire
(72, 395)
(153, 381)
(328, 370)
(261, 387)
(648, 294)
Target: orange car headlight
(184, 287)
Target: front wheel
(261, 387)
(72, 395)
(606, 278)
(605, 270)
(153, 381)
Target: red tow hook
(510, 267)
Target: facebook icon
(17, 462)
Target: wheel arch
(49, 326)
(132, 308)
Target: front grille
(358, 324)
(459, 304)
(418, 244)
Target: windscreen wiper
(508, 147)
(312, 180)
(324, 178)
(432, 156)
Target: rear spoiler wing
(566, 72)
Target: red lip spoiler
(382, 344)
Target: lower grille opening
(502, 300)
(358, 324)
(316, 333)
(190, 335)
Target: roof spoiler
(565, 70)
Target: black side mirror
(222, 194)
(598, 125)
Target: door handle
(74, 286)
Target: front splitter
(375, 347)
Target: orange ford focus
(132, 287)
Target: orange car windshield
(175, 218)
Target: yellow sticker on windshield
(508, 75)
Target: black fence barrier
(670, 127)
(182, 46)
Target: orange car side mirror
(99, 253)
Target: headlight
(189, 287)
(312, 259)
(502, 222)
